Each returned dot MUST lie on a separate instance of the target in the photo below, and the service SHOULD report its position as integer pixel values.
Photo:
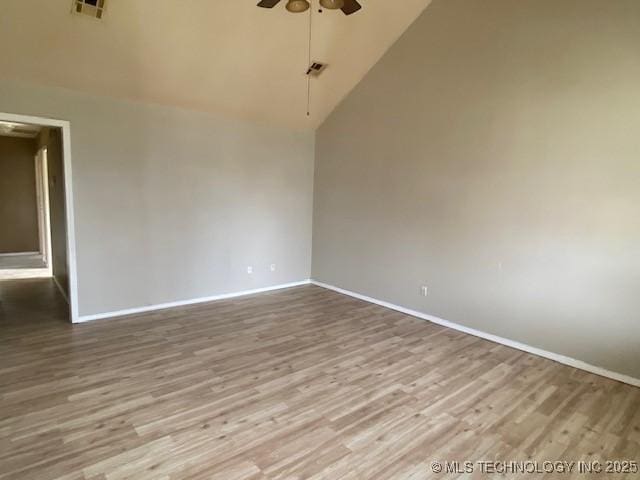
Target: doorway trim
(68, 198)
(42, 195)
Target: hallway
(25, 303)
(32, 265)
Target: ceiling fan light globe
(297, 6)
(332, 4)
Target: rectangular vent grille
(316, 68)
(90, 8)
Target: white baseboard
(18, 254)
(64, 294)
(180, 303)
(572, 362)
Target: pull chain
(309, 62)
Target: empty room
(319, 239)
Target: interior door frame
(42, 194)
(68, 198)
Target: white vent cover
(90, 8)
(316, 68)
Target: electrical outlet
(424, 290)
(249, 270)
(273, 267)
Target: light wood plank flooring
(295, 384)
(23, 266)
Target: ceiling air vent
(90, 8)
(316, 68)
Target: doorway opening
(37, 241)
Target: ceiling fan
(297, 6)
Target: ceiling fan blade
(351, 6)
(268, 3)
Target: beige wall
(18, 205)
(493, 155)
(172, 204)
(51, 138)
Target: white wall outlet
(249, 270)
(272, 267)
(424, 290)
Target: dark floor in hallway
(31, 301)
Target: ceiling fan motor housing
(297, 6)
(332, 4)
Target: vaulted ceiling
(224, 56)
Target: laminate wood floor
(301, 383)
(22, 266)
